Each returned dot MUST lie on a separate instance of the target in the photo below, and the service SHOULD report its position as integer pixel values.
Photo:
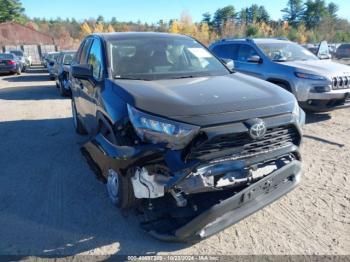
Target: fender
(102, 155)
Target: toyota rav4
(179, 137)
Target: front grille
(241, 145)
(341, 82)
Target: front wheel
(119, 189)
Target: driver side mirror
(254, 59)
(52, 63)
(83, 72)
(229, 63)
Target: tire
(119, 186)
(79, 128)
(62, 90)
(119, 189)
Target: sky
(150, 11)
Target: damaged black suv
(180, 138)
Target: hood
(325, 68)
(201, 100)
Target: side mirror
(254, 59)
(325, 56)
(82, 71)
(229, 63)
(52, 63)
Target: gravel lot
(51, 203)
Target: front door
(243, 65)
(90, 88)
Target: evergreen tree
(11, 10)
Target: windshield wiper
(280, 60)
(182, 77)
(131, 78)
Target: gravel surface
(51, 203)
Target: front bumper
(328, 101)
(239, 206)
(102, 156)
(310, 99)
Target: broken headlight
(158, 130)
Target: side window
(245, 51)
(95, 59)
(85, 51)
(228, 51)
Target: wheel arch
(280, 82)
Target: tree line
(307, 21)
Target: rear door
(227, 51)
(90, 89)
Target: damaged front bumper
(219, 215)
(239, 206)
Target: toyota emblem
(258, 129)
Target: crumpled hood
(201, 100)
(325, 68)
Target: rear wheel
(76, 121)
(62, 87)
(19, 71)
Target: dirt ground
(51, 203)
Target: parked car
(10, 63)
(43, 59)
(318, 84)
(25, 60)
(191, 145)
(343, 51)
(51, 60)
(62, 67)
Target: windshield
(52, 56)
(161, 58)
(6, 56)
(283, 52)
(67, 59)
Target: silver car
(318, 83)
(51, 60)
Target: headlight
(158, 130)
(309, 76)
(299, 114)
